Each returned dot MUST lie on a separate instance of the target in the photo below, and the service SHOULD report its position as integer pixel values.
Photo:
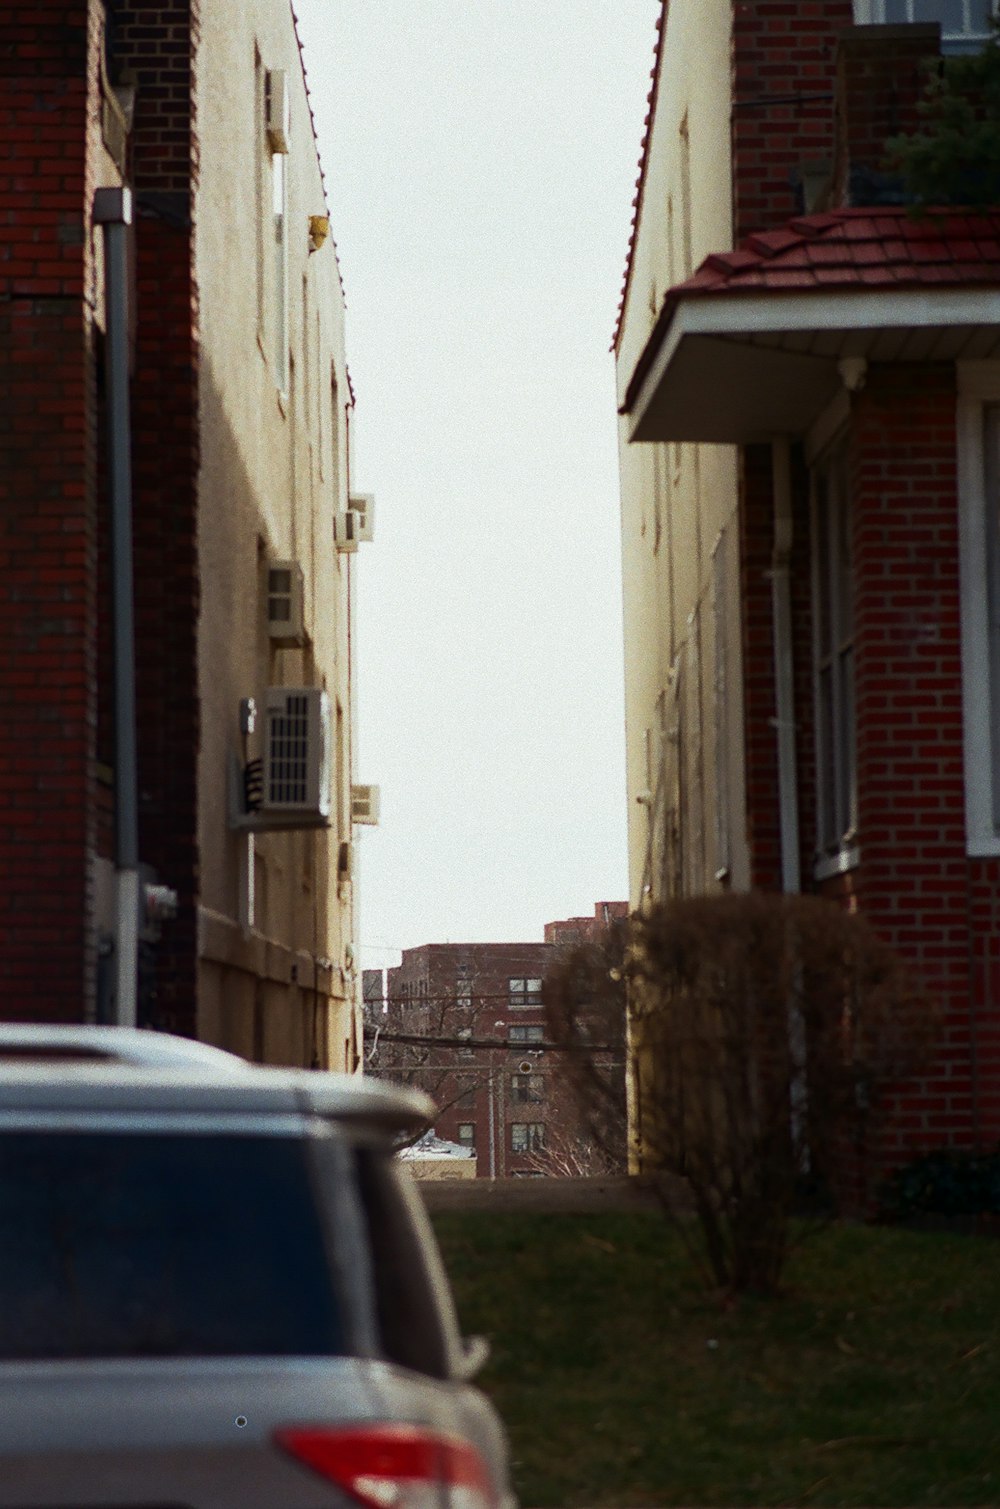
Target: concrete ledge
(223, 941)
(555, 1195)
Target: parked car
(218, 1288)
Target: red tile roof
(857, 249)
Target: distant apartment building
(809, 389)
(466, 1023)
(172, 345)
(575, 930)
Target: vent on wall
(277, 111)
(297, 754)
(364, 804)
(363, 504)
(284, 603)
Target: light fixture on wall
(853, 372)
(319, 229)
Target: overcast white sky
(481, 158)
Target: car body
(219, 1288)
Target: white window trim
(978, 385)
(872, 12)
(834, 857)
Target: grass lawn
(875, 1380)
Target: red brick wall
(880, 82)
(783, 59)
(915, 878)
(157, 42)
(759, 704)
(922, 894)
(48, 689)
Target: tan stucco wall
(679, 503)
(424, 1169)
(274, 469)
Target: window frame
(520, 996)
(527, 1089)
(872, 13)
(978, 395)
(282, 311)
(833, 654)
(534, 1136)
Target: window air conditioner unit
(278, 111)
(297, 755)
(364, 804)
(284, 603)
(363, 504)
(345, 531)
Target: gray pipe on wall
(113, 212)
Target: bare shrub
(584, 995)
(762, 1027)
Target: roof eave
(739, 366)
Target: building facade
(236, 462)
(466, 1023)
(808, 377)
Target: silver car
(219, 1290)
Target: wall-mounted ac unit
(365, 804)
(345, 531)
(277, 111)
(363, 504)
(297, 755)
(285, 620)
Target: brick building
(160, 169)
(465, 1022)
(573, 930)
(809, 427)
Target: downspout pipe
(113, 212)
(784, 674)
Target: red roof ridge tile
(640, 183)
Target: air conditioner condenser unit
(365, 805)
(285, 613)
(297, 756)
(345, 531)
(363, 504)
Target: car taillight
(394, 1466)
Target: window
(161, 1246)
(525, 1034)
(527, 1136)
(464, 1034)
(964, 23)
(279, 192)
(833, 599)
(979, 495)
(463, 987)
(525, 994)
(466, 1096)
(527, 1088)
(467, 1133)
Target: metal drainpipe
(113, 212)
(788, 787)
(784, 678)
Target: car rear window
(161, 1246)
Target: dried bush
(585, 1013)
(761, 1027)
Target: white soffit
(741, 367)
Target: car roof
(50, 1066)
